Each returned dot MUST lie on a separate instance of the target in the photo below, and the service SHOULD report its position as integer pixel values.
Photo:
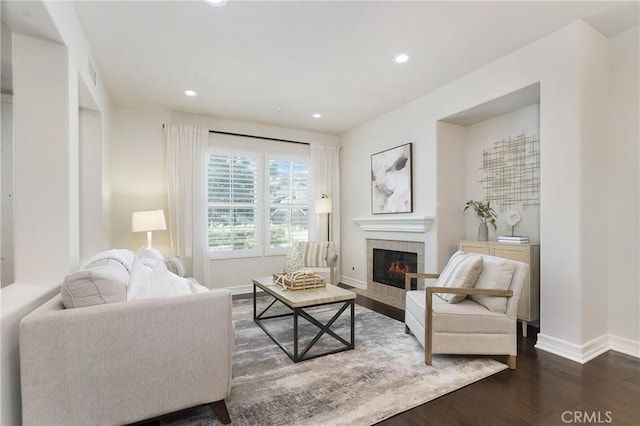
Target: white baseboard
(624, 345)
(589, 350)
(353, 282)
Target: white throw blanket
(125, 257)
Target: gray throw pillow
(103, 283)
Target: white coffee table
(298, 301)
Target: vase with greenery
(486, 214)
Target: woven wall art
(512, 172)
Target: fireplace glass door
(389, 267)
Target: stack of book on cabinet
(515, 239)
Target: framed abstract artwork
(391, 181)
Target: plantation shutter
(233, 194)
(288, 202)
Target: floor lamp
(324, 205)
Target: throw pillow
(496, 275)
(176, 265)
(104, 283)
(314, 254)
(462, 271)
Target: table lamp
(149, 221)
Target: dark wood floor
(545, 389)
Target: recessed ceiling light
(217, 3)
(190, 93)
(316, 115)
(401, 58)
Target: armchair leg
(219, 408)
(511, 362)
(406, 329)
(427, 356)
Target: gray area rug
(383, 376)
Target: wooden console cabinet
(529, 305)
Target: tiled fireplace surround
(384, 293)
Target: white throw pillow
(156, 281)
(496, 275)
(462, 271)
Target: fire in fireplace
(389, 267)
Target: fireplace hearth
(390, 267)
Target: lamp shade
(324, 205)
(150, 220)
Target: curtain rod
(255, 137)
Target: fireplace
(388, 286)
(390, 266)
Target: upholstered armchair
(320, 257)
(484, 322)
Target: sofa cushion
(314, 254)
(496, 275)
(462, 271)
(105, 282)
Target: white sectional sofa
(125, 361)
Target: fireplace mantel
(395, 224)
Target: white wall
(481, 137)
(452, 196)
(554, 61)
(7, 190)
(623, 274)
(44, 172)
(137, 168)
(138, 180)
(90, 126)
(593, 80)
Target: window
(249, 215)
(288, 203)
(233, 192)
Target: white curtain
(325, 179)
(186, 188)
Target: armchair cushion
(496, 275)
(466, 317)
(462, 271)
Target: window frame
(263, 207)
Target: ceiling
(280, 62)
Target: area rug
(383, 376)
